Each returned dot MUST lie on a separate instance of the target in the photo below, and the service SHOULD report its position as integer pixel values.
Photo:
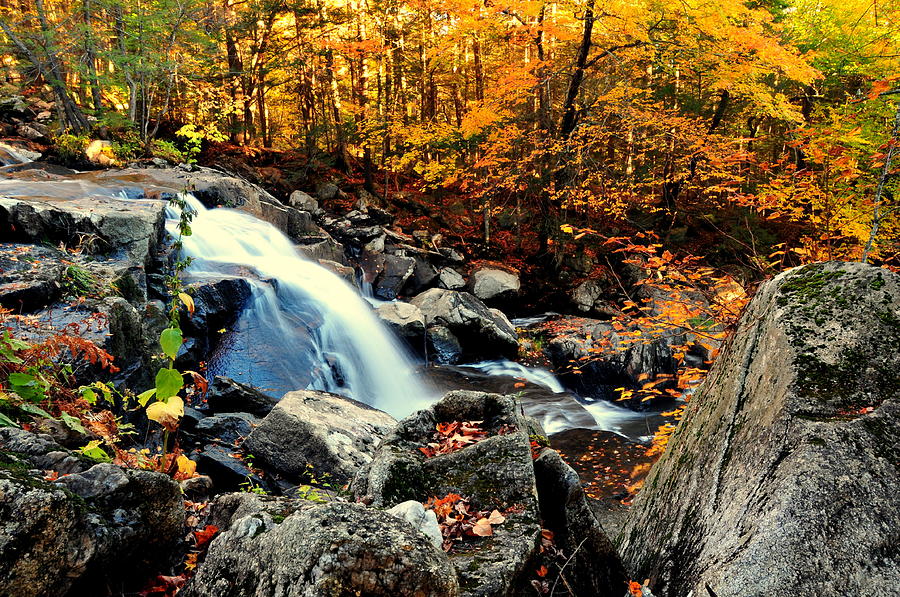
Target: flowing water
(304, 327)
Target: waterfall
(303, 326)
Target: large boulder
(404, 319)
(496, 472)
(96, 527)
(491, 284)
(397, 270)
(310, 431)
(331, 549)
(226, 395)
(782, 477)
(99, 225)
(480, 331)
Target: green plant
(166, 150)
(195, 136)
(71, 147)
(78, 281)
(250, 486)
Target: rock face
(488, 283)
(95, 528)
(782, 477)
(480, 331)
(331, 434)
(404, 319)
(100, 225)
(333, 549)
(30, 276)
(494, 473)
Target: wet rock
(495, 473)
(450, 279)
(226, 469)
(227, 395)
(781, 478)
(227, 428)
(421, 519)
(347, 273)
(331, 549)
(608, 358)
(217, 305)
(88, 531)
(397, 270)
(30, 276)
(424, 276)
(443, 346)
(480, 331)
(329, 434)
(488, 283)
(322, 247)
(404, 319)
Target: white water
(15, 155)
(304, 327)
(535, 375)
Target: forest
(465, 298)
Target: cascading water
(304, 327)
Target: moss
(877, 283)
(817, 441)
(15, 468)
(806, 285)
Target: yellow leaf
(186, 466)
(188, 301)
(167, 413)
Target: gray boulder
(404, 319)
(331, 434)
(322, 247)
(479, 330)
(227, 395)
(450, 279)
(442, 346)
(397, 270)
(497, 472)
(303, 202)
(421, 519)
(226, 428)
(489, 283)
(782, 477)
(588, 297)
(326, 550)
(92, 529)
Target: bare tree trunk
(90, 56)
(567, 125)
(879, 191)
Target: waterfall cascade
(304, 327)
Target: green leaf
(7, 422)
(168, 383)
(31, 409)
(93, 451)
(144, 397)
(170, 340)
(89, 395)
(21, 379)
(72, 422)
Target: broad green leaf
(167, 413)
(168, 383)
(144, 397)
(72, 422)
(89, 395)
(31, 409)
(22, 379)
(170, 340)
(94, 451)
(7, 422)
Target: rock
(442, 346)
(328, 191)
(588, 297)
(303, 202)
(331, 549)
(30, 276)
(404, 319)
(227, 428)
(424, 276)
(451, 255)
(99, 151)
(88, 531)
(781, 478)
(496, 472)
(480, 332)
(421, 519)
(128, 228)
(450, 279)
(594, 564)
(489, 283)
(322, 247)
(217, 305)
(609, 358)
(391, 280)
(197, 489)
(33, 132)
(226, 395)
(347, 273)
(227, 472)
(330, 434)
